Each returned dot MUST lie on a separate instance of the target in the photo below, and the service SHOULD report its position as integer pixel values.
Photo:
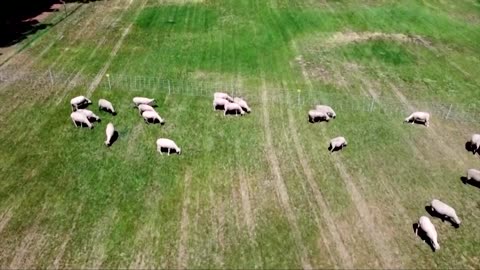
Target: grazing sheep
(109, 132)
(89, 114)
(338, 142)
(473, 174)
(316, 116)
(144, 107)
(426, 225)
(475, 143)
(222, 95)
(242, 104)
(233, 107)
(79, 101)
(219, 103)
(445, 210)
(106, 105)
(143, 100)
(422, 117)
(169, 144)
(80, 118)
(326, 109)
(152, 115)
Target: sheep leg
(169, 151)
(75, 123)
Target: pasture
(258, 191)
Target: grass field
(260, 191)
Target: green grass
(68, 201)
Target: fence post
(449, 110)
(51, 76)
(109, 83)
(371, 105)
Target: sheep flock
(237, 106)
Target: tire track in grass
(218, 224)
(98, 78)
(279, 183)
(182, 258)
(346, 259)
(63, 246)
(98, 248)
(246, 206)
(5, 219)
(380, 240)
(26, 253)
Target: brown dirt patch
(343, 38)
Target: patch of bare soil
(343, 38)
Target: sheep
(79, 101)
(169, 144)
(445, 210)
(338, 142)
(152, 115)
(143, 100)
(230, 107)
(219, 103)
(222, 95)
(242, 104)
(326, 109)
(418, 117)
(473, 174)
(144, 107)
(89, 114)
(475, 143)
(110, 131)
(315, 116)
(106, 105)
(426, 225)
(80, 118)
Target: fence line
(205, 88)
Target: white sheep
(445, 210)
(222, 95)
(89, 114)
(144, 107)
(426, 225)
(152, 115)
(422, 117)
(109, 132)
(475, 143)
(169, 144)
(326, 109)
(315, 116)
(233, 107)
(106, 105)
(143, 100)
(79, 101)
(473, 174)
(242, 103)
(219, 103)
(338, 142)
(80, 118)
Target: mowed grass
(259, 191)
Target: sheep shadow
(165, 150)
(108, 111)
(473, 183)
(416, 122)
(470, 147)
(435, 214)
(317, 120)
(423, 235)
(153, 121)
(83, 105)
(83, 125)
(336, 149)
(233, 112)
(219, 107)
(114, 138)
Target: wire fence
(206, 88)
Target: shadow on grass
(114, 138)
(433, 213)
(470, 182)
